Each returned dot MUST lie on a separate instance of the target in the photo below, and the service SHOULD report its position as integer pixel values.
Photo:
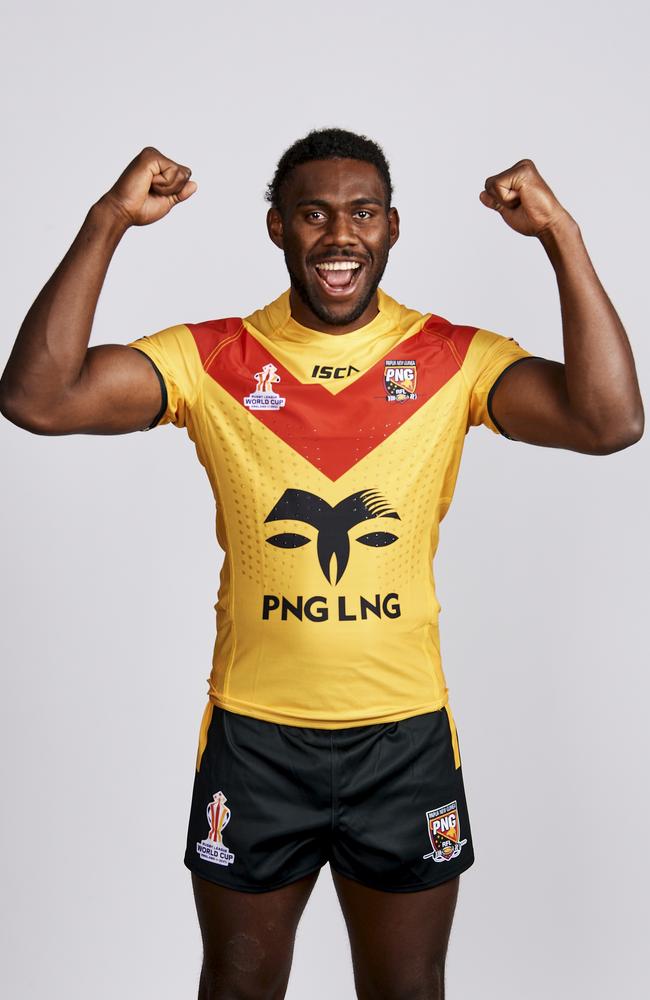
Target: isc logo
(329, 371)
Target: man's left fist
(523, 198)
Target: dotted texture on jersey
(328, 509)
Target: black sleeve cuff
(530, 357)
(163, 391)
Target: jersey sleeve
(175, 359)
(488, 358)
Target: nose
(340, 231)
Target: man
(331, 425)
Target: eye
(364, 212)
(287, 540)
(310, 215)
(378, 538)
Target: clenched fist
(149, 188)
(523, 199)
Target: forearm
(601, 381)
(51, 346)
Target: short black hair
(328, 144)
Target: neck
(302, 314)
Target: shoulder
(209, 335)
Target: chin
(328, 310)
(341, 313)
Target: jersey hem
(285, 719)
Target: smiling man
(333, 283)
(331, 425)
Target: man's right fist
(149, 188)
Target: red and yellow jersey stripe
(332, 460)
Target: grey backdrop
(110, 566)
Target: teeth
(339, 265)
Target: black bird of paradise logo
(332, 524)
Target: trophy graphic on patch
(265, 397)
(443, 825)
(213, 848)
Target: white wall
(110, 566)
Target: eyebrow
(325, 204)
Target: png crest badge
(443, 824)
(400, 378)
(213, 848)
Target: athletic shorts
(384, 804)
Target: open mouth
(338, 277)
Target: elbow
(625, 437)
(8, 407)
(21, 416)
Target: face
(336, 231)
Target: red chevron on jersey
(333, 432)
(332, 460)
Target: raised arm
(53, 382)
(591, 403)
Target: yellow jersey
(332, 460)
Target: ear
(393, 226)
(275, 227)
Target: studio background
(110, 564)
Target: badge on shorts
(213, 848)
(443, 825)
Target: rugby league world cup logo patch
(265, 397)
(213, 848)
(444, 832)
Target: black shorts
(383, 803)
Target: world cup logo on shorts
(218, 817)
(213, 848)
